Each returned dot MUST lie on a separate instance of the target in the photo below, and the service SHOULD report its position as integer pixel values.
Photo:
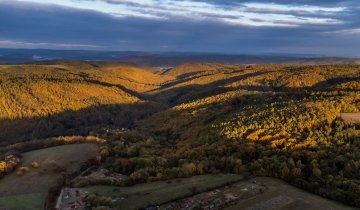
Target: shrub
(2, 166)
(22, 170)
(95, 200)
(35, 164)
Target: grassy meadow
(32, 186)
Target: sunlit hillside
(32, 95)
(264, 96)
(136, 78)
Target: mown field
(32, 187)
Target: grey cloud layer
(45, 26)
(231, 11)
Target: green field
(141, 195)
(282, 196)
(33, 201)
(31, 188)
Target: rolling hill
(38, 101)
(275, 120)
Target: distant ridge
(15, 56)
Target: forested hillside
(268, 120)
(69, 97)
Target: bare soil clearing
(350, 118)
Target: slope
(42, 100)
(269, 120)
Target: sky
(322, 27)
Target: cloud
(323, 3)
(44, 45)
(228, 12)
(353, 31)
(211, 26)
